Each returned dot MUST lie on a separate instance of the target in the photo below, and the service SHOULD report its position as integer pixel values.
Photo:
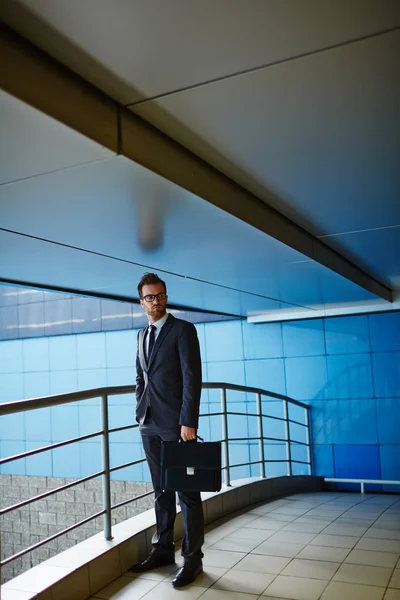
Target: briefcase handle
(197, 438)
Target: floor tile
(336, 529)
(209, 576)
(292, 537)
(244, 581)
(304, 527)
(126, 588)
(261, 564)
(221, 558)
(366, 575)
(289, 510)
(296, 588)
(264, 523)
(337, 590)
(280, 516)
(278, 549)
(324, 553)
(214, 594)
(250, 534)
(313, 569)
(386, 534)
(395, 581)
(165, 591)
(373, 558)
(392, 595)
(157, 574)
(379, 544)
(235, 545)
(336, 541)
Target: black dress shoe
(187, 574)
(153, 561)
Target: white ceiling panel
(137, 49)
(32, 143)
(318, 138)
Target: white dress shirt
(158, 326)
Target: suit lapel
(161, 337)
(142, 355)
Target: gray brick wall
(25, 526)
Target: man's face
(155, 309)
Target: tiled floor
(327, 546)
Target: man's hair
(149, 279)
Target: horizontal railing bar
(245, 414)
(129, 464)
(124, 428)
(61, 488)
(252, 390)
(46, 448)
(46, 401)
(374, 481)
(50, 538)
(256, 462)
(132, 500)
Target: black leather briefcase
(191, 467)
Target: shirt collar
(158, 324)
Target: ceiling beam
(34, 77)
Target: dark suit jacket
(171, 383)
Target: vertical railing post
(225, 445)
(308, 440)
(287, 436)
(105, 455)
(362, 487)
(260, 436)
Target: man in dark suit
(168, 388)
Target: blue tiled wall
(347, 368)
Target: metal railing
(104, 433)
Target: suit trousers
(165, 501)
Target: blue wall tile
(58, 317)
(306, 378)
(11, 448)
(31, 320)
(36, 384)
(13, 427)
(263, 340)
(64, 423)
(38, 424)
(390, 461)
(39, 464)
(9, 327)
(63, 353)
(388, 418)
(66, 461)
(89, 419)
(224, 341)
(385, 332)
(11, 357)
(91, 351)
(121, 349)
(303, 338)
(86, 314)
(357, 462)
(266, 374)
(350, 376)
(89, 458)
(92, 378)
(36, 355)
(386, 369)
(62, 382)
(347, 335)
(344, 422)
(11, 387)
(226, 372)
(116, 315)
(323, 463)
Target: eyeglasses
(152, 297)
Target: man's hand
(188, 433)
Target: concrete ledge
(89, 566)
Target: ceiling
(296, 102)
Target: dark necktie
(151, 341)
